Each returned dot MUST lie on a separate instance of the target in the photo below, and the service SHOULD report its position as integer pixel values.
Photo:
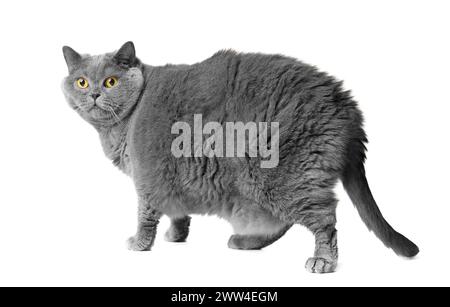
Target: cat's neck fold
(114, 143)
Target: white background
(65, 211)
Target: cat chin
(101, 123)
(97, 117)
(98, 112)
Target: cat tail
(357, 187)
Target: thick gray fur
(321, 141)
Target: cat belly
(246, 217)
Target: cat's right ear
(72, 57)
(126, 55)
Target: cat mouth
(96, 111)
(99, 113)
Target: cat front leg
(178, 230)
(148, 219)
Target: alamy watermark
(241, 140)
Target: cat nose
(95, 96)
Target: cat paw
(139, 244)
(235, 242)
(245, 242)
(172, 235)
(320, 265)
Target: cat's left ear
(72, 57)
(126, 56)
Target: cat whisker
(111, 110)
(112, 103)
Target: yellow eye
(82, 83)
(110, 82)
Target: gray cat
(133, 107)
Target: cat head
(103, 89)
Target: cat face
(103, 89)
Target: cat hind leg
(319, 216)
(255, 241)
(178, 230)
(255, 228)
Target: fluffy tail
(355, 183)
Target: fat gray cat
(321, 140)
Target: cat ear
(126, 55)
(71, 56)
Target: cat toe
(320, 265)
(139, 244)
